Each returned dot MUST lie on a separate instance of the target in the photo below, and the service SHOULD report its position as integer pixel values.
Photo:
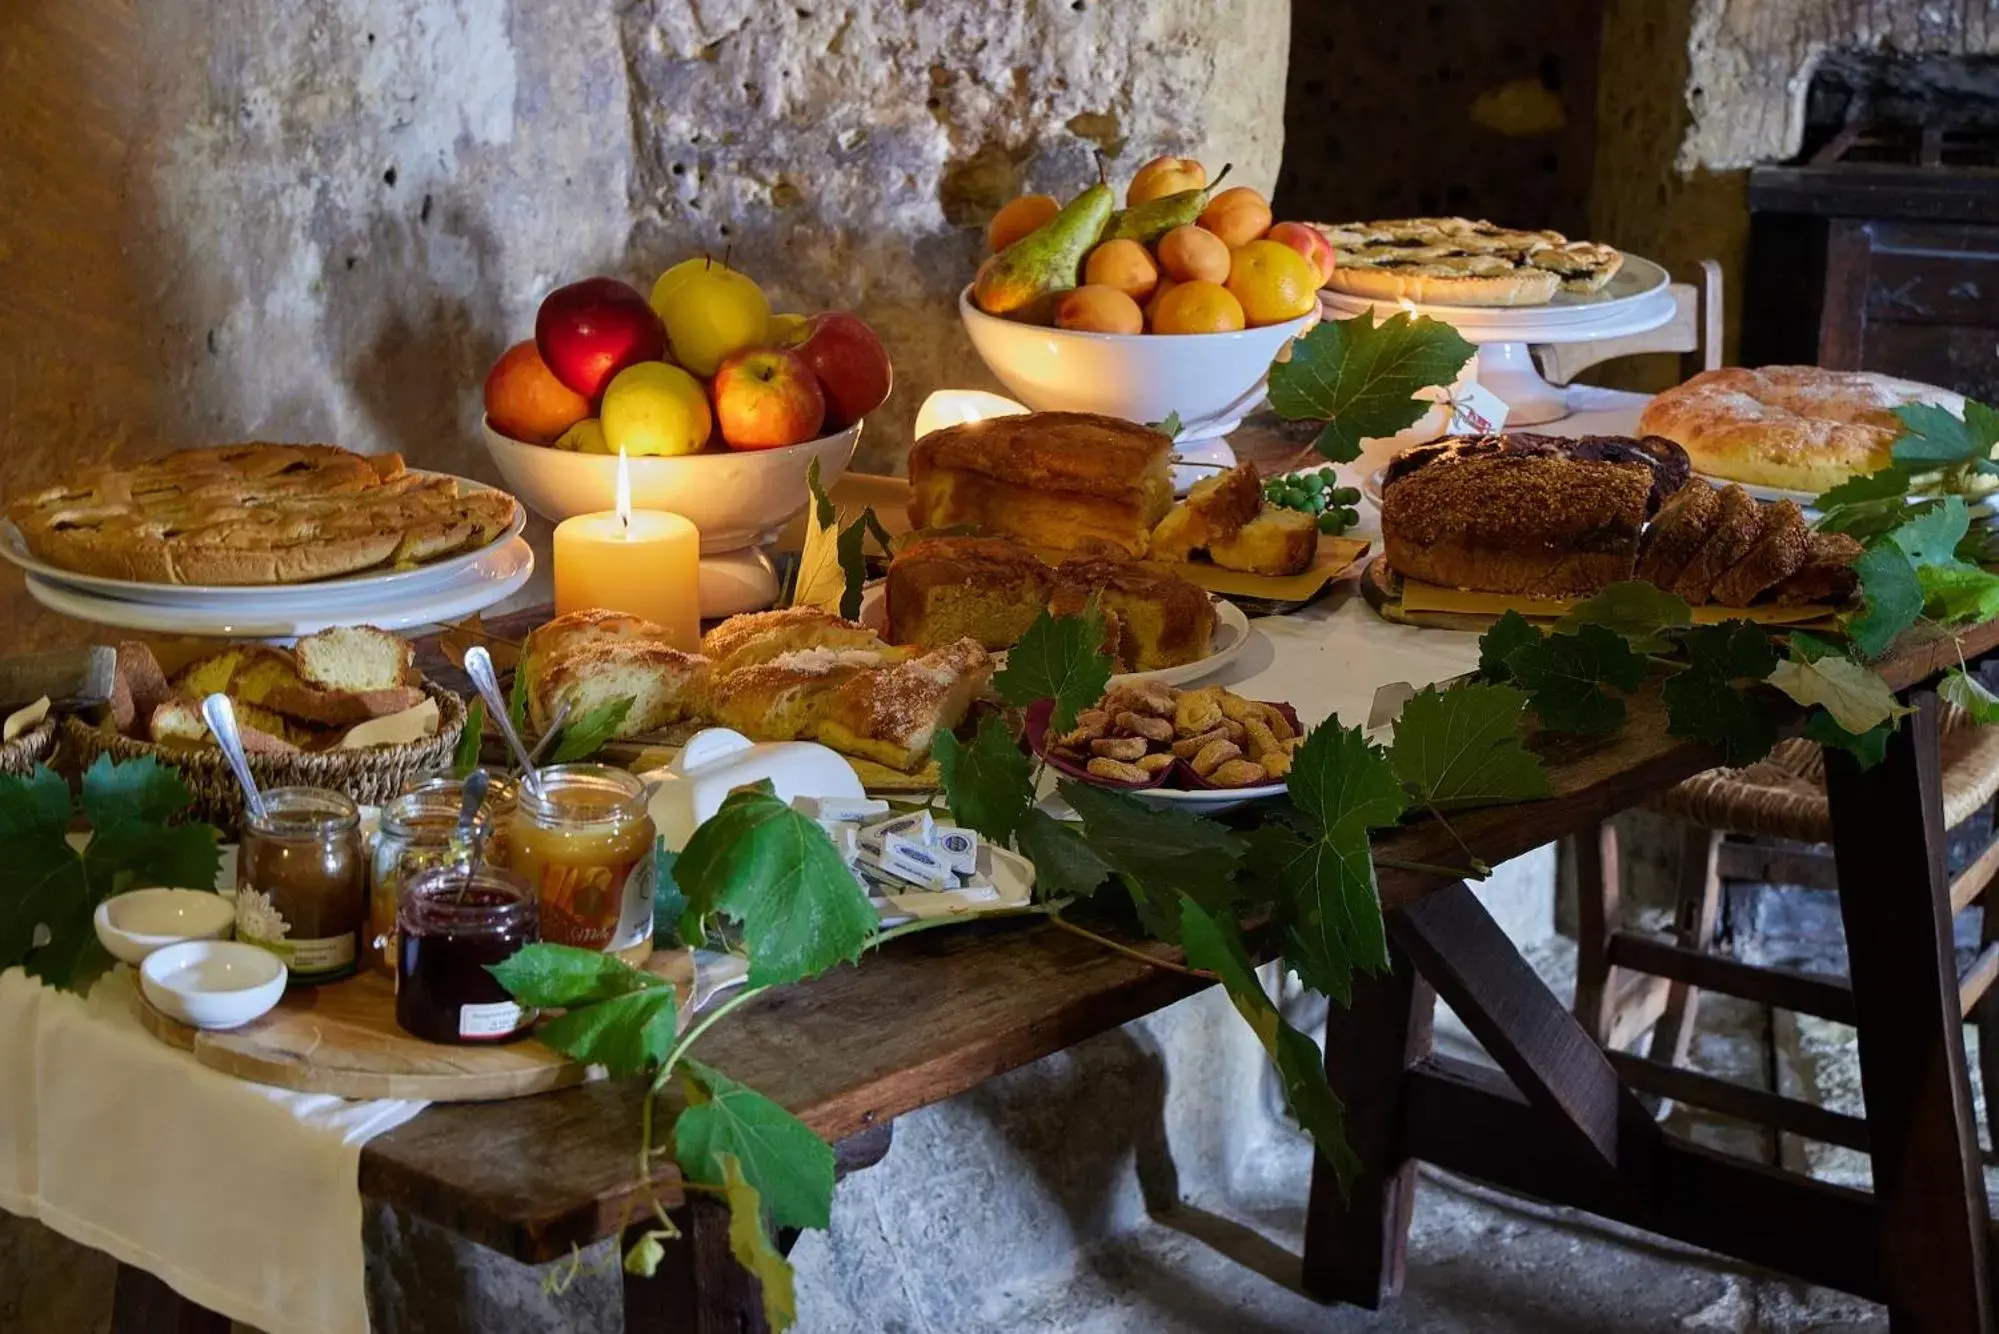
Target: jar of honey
(302, 882)
(583, 842)
(416, 835)
(451, 928)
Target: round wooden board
(342, 1039)
(1381, 586)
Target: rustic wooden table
(932, 1016)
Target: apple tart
(255, 514)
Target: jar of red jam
(583, 841)
(450, 928)
(419, 831)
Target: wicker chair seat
(1783, 795)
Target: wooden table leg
(699, 1289)
(1888, 841)
(143, 1304)
(1356, 1244)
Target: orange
(525, 401)
(1017, 218)
(1095, 308)
(1125, 265)
(1273, 282)
(1238, 216)
(1196, 308)
(1166, 285)
(1190, 253)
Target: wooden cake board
(342, 1039)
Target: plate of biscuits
(1206, 749)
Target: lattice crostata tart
(1459, 262)
(255, 514)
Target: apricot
(1018, 217)
(1191, 254)
(1166, 285)
(524, 400)
(1196, 308)
(1095, 308)
(1125, 265)
(1164, 176)
(1238, 215)
(1273, 282)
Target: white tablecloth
(244, 1198)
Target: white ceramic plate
(1231, 634)
(266, 598)
(495, 575)
(1207, 800)
(1638, 279)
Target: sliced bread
(357, 658)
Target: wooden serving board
(342, 1039)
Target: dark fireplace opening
(1877, 247)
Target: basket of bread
(1208, 746)
(343, 709)
(28, 739)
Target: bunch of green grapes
(1316, 493)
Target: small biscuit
(1280, 726)
(1261, 741)
(1237, 709)
(1197, 711)
(1126, 748)
(1213, 755)
(1155, 764)
(1145, 725)
(1117, 771)
(1237, 773)
(1189, 747)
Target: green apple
(710, 312)
(654, 408)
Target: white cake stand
(1634, 302)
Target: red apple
(524, 400)
(766, 398)
(850, 362)
(1308, 241)
(589, 331)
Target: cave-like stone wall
(322, 220)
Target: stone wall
(323, 220)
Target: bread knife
(72, 678)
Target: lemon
(1273, 282)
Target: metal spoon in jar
(468, 832)
(220, 715)
(479, 666)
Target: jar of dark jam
(419, 831)
(449, 929)
(302, 882)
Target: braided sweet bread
(254, 514)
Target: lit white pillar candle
(644, 563)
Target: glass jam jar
(450, 929)
(302, 882)
(583, 841)
(416, 833)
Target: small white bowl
(1212, 380)
(134, 925)
(736, 497)
(212, 983)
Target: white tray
(496, 574)
(266, 599)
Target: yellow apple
(586, 437)
(711, 312)
(654, 408)
(787, 330)
(672, 278)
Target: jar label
(582, 905)
(635, 923)
(499, 1019)
(327, 955)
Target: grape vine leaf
(1703, 703)
(749, 1242)
(1064, 862)
(583, 737)
(1959, 688)
(1891, 598)
(1935, 437)
(1890, 483)
(561, 977)
(1361, 378)
(1869, 747)
(1564, 676)
(1958, 594)
(627, 1034)
(131, 842)
(1159, 854)
(1856, 697)
(465, 755)
(1215, 945)
(1510, 633)
(646, 1253)
(1344, 787)
(517, 701)
(1461, 747)
(771, 869)
(1808, 647)
(791, 1167)
(1638, 610)
(1060, 658)
(852, 548)
(988, 784)
(1869, 506)
(1931, 536)
(1169, 426)
(819, 580)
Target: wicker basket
(32, 747)
(370, 776)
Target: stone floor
(1033, 1206)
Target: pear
(1023, 278)
(1151, 220)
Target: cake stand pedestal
(1635, 301)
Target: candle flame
(954, 407)
(1408, 306)
(624, 501)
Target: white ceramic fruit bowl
(1212, 380)
(736, 497)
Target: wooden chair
(1695, 331)
(1630, 981)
